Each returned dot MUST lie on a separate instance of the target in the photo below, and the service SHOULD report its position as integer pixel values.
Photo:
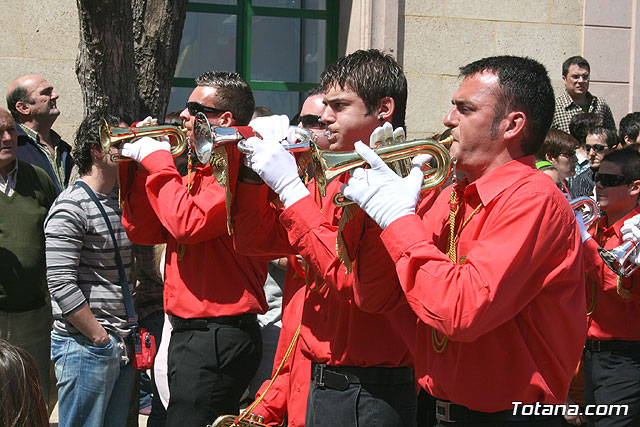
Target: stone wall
(41, 37)
(442, 35)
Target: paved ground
(53, 420)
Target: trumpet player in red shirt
(494, 268)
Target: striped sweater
(81, 266)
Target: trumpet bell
(116, 136)
(232, 421)
(331, 164)
(617, 259)
(588, 207)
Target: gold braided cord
(256, 402)
(623, 292)
(439, 344)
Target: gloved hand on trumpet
(380, 192)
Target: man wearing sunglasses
(612, 351)
(599, 142)
(212, 294)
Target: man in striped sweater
(90, 337)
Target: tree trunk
(128, 53)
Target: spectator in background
(33, 105)
(559, 148)
(21, 400)
(576, 98)
(599, 141)
(578, 128)
(629, 129)
(90, 341)
(26, 194)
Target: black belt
(339, 377)
(613, 345)
(452, 413)
(203, 323)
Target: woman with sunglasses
(612, 350)
(599, 142)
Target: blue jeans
(94, 383)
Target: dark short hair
(88, 138)
(556, 143)
(575, 60)
(18, 94)
(581, 123)
(524, 85)
(372, 75)
(610, 137)
(262, 112)
(629, 127)
(628, 160)
(316, 90)
(233, 94)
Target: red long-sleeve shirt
(211, 279)
(334, 329)
(613, 317)
(512, 308)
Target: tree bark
(127, 54)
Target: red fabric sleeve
(190, 217)
(466, 301)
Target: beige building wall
(611, 39)
(41, 37)
(442, 35)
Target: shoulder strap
(132, 317)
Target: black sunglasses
(597, 148)
(312, 121)
(610, 180)
(195, 108)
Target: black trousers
(612, 377)
(362, 405)
(209, 369)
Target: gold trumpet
(331, 164)
(115, 137)
(236, 421)
(588, 207)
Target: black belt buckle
(325, 378)
(443, 411)
(595, 346)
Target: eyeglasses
(312, 121)
(610, 180)
(596, 147)
(195, 108)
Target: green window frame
(245, 12)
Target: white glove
(277, 168)
(630, 231)
(386, 134)
(148, 121)
(382, 194)
(141, 148)
(583, 228)
(274, 127)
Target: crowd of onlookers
(69, 305)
